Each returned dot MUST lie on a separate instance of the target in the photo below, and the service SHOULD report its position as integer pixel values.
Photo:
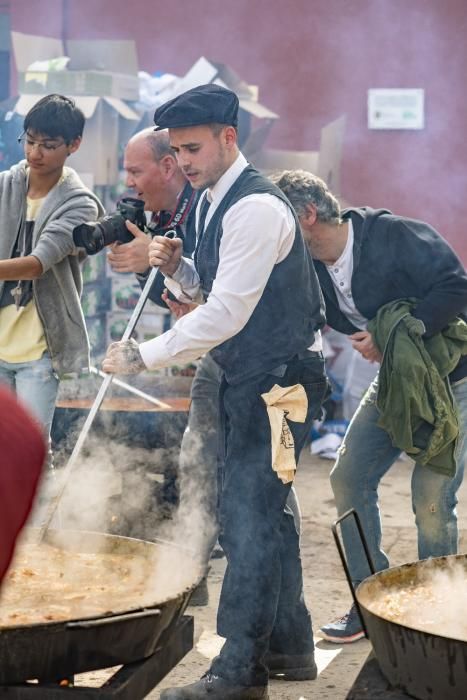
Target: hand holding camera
(132, 256)
(95, 235)
(165, 253)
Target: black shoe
(291, 667)
(200, 595)
(215, 688)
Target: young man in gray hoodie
(42, 329)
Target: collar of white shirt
(346, 257)
(216, 193)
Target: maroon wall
(314, 60)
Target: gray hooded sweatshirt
(57, 292)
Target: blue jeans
(36, 385)
(262, 604)
(365, 456)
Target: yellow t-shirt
(22, 336)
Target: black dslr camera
(95, 235)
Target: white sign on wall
(393, 108)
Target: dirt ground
(326, 589)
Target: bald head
(157, 141)
(152, 170)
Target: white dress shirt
(341, 275)
(258, 233)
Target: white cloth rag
(285, 403)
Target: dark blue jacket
(399, 258)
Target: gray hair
(302, 188)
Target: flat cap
(205, 104)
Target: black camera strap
(184, 202)
(179, 214)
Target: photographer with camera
(42, 329)
(160, 188)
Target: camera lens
(114, 229)
(95, 235)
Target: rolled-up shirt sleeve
(258, 233)
(184, 283)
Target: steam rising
(114, 488)
(432, 599)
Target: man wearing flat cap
(258, 312)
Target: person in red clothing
(22, 456)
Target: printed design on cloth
(284, 404)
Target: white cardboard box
(325, 163)
(104, 68)
(102, 74)
(255, 120)
(149, 326)
(125, 293)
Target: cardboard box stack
(95, 302)
(124, 294)
(108, 301)
(325, 162)
(100, 77)
(256, 121)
